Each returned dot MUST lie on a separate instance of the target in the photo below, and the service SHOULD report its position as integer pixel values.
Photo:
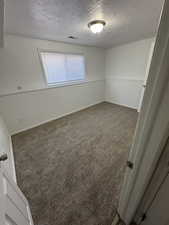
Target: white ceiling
(126, 20)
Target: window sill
(70, 83)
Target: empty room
(73, 76)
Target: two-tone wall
(115, 75)
(125, 72)
(34, 103)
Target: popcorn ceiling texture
(126, 21)
(71, 169)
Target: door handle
(3, 157)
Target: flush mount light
(96, 26)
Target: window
(63, 68)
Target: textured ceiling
(126, 20)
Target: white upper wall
(20, 64)
(128, 60)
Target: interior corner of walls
(125, 72)
(104, 89)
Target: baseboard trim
(66, 114)
(129, 78)
(55, 118)
(124, 105)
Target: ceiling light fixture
(96, 26)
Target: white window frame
(66, 83)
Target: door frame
(12, 160)
(146, 74)
(152, 126)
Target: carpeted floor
(71, 169)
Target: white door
(14, 207)
(146, 75)
(6, 149)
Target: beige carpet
(71, 169)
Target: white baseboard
(55, 118)
(117, 103)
